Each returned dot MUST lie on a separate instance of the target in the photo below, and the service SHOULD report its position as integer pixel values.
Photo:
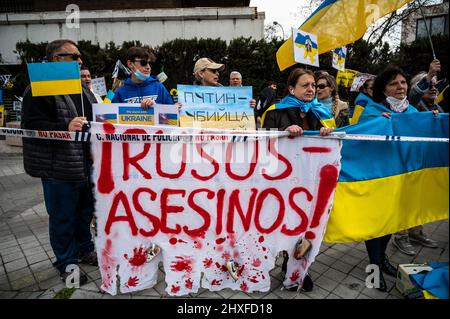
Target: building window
(436, 25)
(16, 6)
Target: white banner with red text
(224, 210)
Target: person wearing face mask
(389, 96)
(141, 87)
(327, 94)
(422, 95)
(299, 110)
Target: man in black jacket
(64, 167)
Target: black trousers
(376, 249)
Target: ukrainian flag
(361, 102)
(54, 78)
(319, 110)
(388, 186)
(337, 23)
(109, 97)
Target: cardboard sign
(134, 114)
(216, 107)
(99, 86)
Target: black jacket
(50, 158)
(283, 118)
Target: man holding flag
(56, 100)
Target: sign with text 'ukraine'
(134, 114)
(216, 107)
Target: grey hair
(236, 73)
(55, 46)
(418, 77)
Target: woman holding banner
(389, 96)
(327, 94)
(299, 110)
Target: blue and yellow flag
(109, 97)
(54, 78)
(388, 186)
(361, 102)
(337, 23)
(339, 56)
(318, 109)
(305, 48)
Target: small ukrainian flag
(109, 96)
(54, 78)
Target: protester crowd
(310, 102)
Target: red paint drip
(207, 262)
(188, 283)
(261, 239)
(182, 264)
(253, 279)
(256, 262)
(244, 287)
(310, 235)
(327, 184)
(216, 282)
(241, 270)
(220, 241)
(232, 239)
(264, 248)
(236, 254)
(294, 276)
(198, 244)
(219, 248)
(132, 282)
(108, 263)
(139, 257)
(317, 149)
(173, 241)
(175, 289)
(226, 256)
(182, 241)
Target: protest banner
(2, 115)
(99, 86)
(359, 80)
(345, 78)
(216, 107)
(305, 47)
(206, 205)
(158, 114)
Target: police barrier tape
(219, 136)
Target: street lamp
(282, 30)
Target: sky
(288, 14)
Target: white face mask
(397, 105)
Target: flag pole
(428, 31)
(82, 102)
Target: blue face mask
(141, 76)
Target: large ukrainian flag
(54, 78)
(337, 23)
(388, 186)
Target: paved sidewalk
(26, 256)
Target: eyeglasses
(74, 56)
(145, 62)
(322, 86)
(213, 70)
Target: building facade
(436, 18)
(152, 22)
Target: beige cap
(205, 63)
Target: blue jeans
(70, 206)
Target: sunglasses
(213, 70)
(145, 62)
(322, 86)
(74, 56)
